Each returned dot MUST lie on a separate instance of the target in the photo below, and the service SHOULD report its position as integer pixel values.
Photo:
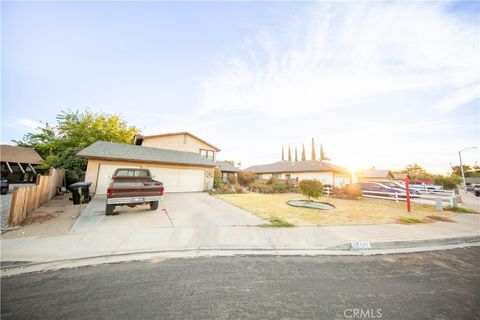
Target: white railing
(327, 191)
(444, 195)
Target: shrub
(232, 179)
(311, 188)
(245, 178)
(272, 180)
(347, 192)
(448, 182)
(217, 178)
(279, 187)
(239, 188)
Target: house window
(209, 154)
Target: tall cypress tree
(314, 155)
(289, 153)
(322, 154)
(296, 154)
(283, 154)
(304, 156)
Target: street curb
(401, 244)
(11, 268)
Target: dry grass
(347, 212)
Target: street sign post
(407, 189)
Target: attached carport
(179, 171)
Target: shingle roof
(19, 154)
(226, 166)
(374, 174)
(298, 166)
(122, 151)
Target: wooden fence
(25, 200)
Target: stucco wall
(338, 180)
(179, 142)
(94, 165)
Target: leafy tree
(470, 171)
(75, 130)
(448, 182)
(416, 172)
(311, 188)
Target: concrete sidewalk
(164, 239)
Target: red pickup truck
(132, 187)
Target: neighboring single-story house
(325, 172)
(180, 141)
(472, 180)
(180, 171)
(18, 163)
(228, 170)
(399, 176)
(369, 175)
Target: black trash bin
(84, 197)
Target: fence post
(13, 200)
(396, 197)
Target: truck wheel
(109, 209)
(154, 205)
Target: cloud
(343, 53)
(23, 124)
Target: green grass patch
(411, 220)
(461, 210)
(439, 218)
(276, 222)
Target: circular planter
(311, 204)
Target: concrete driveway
(175, 210)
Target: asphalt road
(435, 285)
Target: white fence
(425, 197)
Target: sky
(378, 84)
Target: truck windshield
(131, 173)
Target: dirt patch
(54, 218)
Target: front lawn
(347, 212)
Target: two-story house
(182, 161)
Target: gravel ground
(6, 199)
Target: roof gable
(178, 134)
(128, 152)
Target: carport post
(407, 189)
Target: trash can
(80, 192)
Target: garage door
(180, 180)
(105, 171)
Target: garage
(179, 171)
(180, 180)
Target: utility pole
(461, 166)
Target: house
(182, 161)
(368, 175)
(228, 170)
(325, 172)
(180, 141)
(18, 163)
(399, 176)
